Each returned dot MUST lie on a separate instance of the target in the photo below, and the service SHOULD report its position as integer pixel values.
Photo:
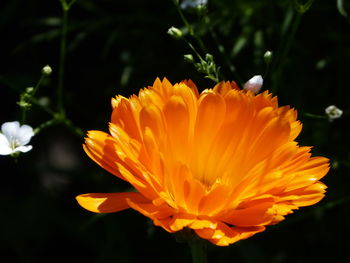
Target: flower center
(14, 143)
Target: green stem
(314, 116)
(65, 9)
(76, 130)
(38, 84)
(223, 52)
(57, 119)
(279, 65)
(45, 125)
(24, 109)
(45, 108)
(190, 29)
(198, 252)
(194, 49)
(23, 115)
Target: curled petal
(109, 202)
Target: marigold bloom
(224, 163)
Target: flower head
(224, 163)
(14, 138)
(185, 4)
(333, 112)
(47, 70)
(175, 32)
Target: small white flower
(193, 3)
(333, 112)
(254, 84)
(13, 138)
(47, 70)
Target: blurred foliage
(118, 47)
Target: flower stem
(315, 116)
(65, 8)
(189, 28)
(57, 119)
(45, 125)
(198, 252)
(283, 53)
(194, 49)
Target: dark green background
(118, 47)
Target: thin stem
(38, 84)
(57, 119)
(23, 115)
(30, 97)
(76, 130)
(198, 253)
(314, 116)
(65, 9)
(190, 29)
(223, 53)
(194, 49)
(284, 52)
(45, 125)
(267, 70)
(45, 108)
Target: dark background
(118, 47)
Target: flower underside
(224, 163)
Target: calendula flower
(223, 163)
(14, 138)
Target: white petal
(254, 84)
(10, 129)
(23, 149)
(4, 145)
(25, 134)
(193, 3)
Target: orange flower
(224, 163)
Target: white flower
(13, 138)
(254, 84)
(193, 3)
(333, 112)
(47, 70)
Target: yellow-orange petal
(161, 215)
(224, 235)
(108, 202)
(125, 115)
(253, 215)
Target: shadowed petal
(108, 202)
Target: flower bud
(44, 101)
(189, 58)
(47, 70)
(268, 57)
(209, 57)
(29, 90)
(333, 112)
(254, 84)
(175, 32)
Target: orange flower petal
(224, 235)
(256, 215)
(108, 202)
